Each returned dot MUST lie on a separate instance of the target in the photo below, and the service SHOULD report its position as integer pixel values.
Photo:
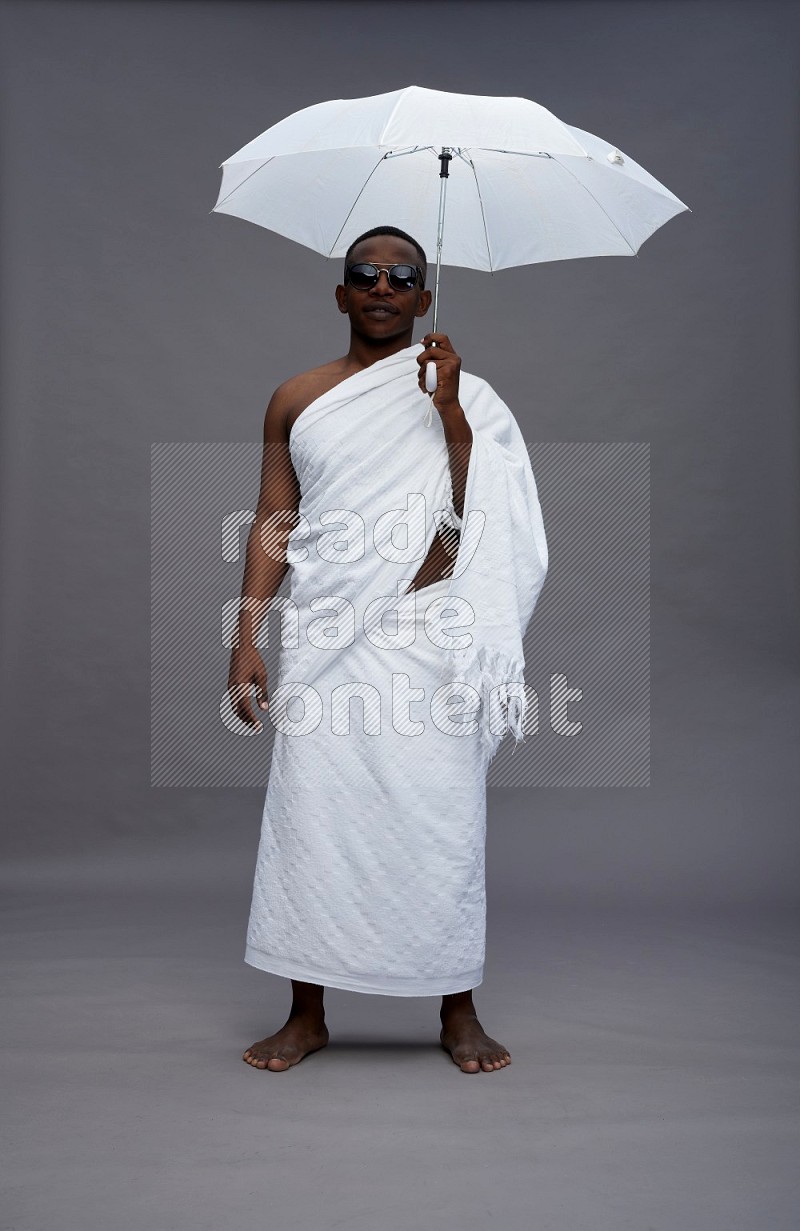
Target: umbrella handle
(431, 381)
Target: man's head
(383, 312)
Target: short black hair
(396, 233)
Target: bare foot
(280, 1051)
(470, 1046)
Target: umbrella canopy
(523, 186)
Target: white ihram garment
(370, 873)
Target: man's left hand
(448, 367)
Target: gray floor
(654, 1082)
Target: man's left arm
(457, 430)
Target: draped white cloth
(363, 453)
(370, 871)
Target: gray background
(641, 961)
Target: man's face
(382, 312)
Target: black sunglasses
(401, 277)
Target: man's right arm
(276, 516)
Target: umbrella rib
(244, 181)
(412, 149)
(355, 203)
(483, 215)
(597, 203)
(383, 158)
(490, 149)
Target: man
(362, 881)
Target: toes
(494, 1061)
(467, 1063)
(275, 1064)
(472, 1059)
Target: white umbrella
(521, 186)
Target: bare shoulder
(298, 392)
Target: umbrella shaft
(444, 158)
